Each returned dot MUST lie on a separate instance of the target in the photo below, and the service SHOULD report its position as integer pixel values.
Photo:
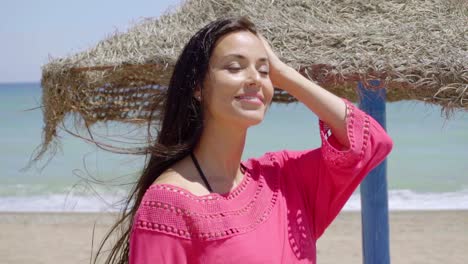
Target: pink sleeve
(328, 176)
(148, 246)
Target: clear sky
(33, 30)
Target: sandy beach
(416, 237)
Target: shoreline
(66, 237)
(398, 200)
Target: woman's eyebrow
(239, 56)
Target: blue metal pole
(374, 197)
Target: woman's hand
(327, 106)
(278, 68)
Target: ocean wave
(401, 200)
(62, 203)
(398, 200)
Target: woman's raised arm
(329, 108)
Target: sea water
(427, 169)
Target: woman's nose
(253, 78)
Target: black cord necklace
(195, 161)
(201, 172)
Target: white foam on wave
(398, 200)
(60, 203)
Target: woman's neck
(219, 152)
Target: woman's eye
(234, 69)
(263, 71)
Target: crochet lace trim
(175, 211)
(357, 124)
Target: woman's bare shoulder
(181, 175)
(174, 174)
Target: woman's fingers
(271, 54)
(276, 65)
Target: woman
(197, 202)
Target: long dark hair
(181, 123)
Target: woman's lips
(254, 99)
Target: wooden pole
(374, 197)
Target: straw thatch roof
(419, 48)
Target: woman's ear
(197, 93)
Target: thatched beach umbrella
(419, 49)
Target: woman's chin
(248, 117)
(252, 118)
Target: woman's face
(237, 88)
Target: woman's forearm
(330, 108)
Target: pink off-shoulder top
(275, 215)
